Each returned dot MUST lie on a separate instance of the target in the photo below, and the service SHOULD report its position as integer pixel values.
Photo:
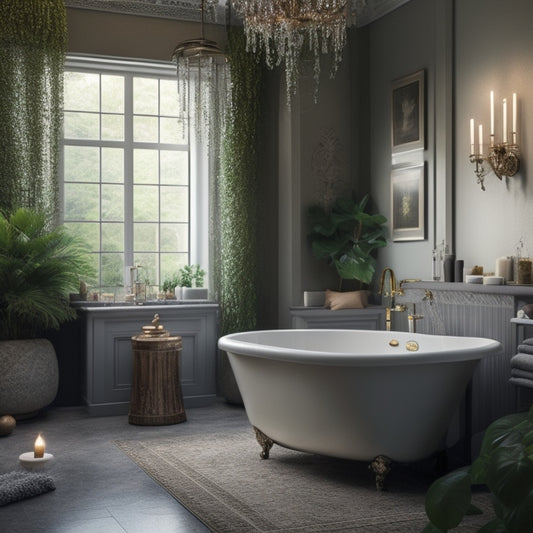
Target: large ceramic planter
(29, 376)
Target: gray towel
(528, 341)
(15, 486)
(522, 361)
(525, 348)
(519, 373)
(521, 382)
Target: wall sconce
(504, 156)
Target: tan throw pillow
(346, 300)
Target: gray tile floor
(98, 488)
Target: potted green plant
(505, 467)
(192, 282)
(169, 286)
(346, 237)
(39, 266)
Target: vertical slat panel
(475, 314)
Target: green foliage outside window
(33, 37)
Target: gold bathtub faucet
(393, 291)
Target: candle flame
(38, 448)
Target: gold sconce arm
(503, 157)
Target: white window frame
(198, 157)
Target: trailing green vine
(237, 262)
(33, 40)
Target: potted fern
(39, 266)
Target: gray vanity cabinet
(372, 317)
(108, 362)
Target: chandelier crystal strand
(282, 28)
(203, 85)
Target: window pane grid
(154, 232)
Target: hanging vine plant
(33, 40)
(238, 190)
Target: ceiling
(367, 10)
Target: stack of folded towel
(522, 365)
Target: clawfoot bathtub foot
(265, 442)
(381, 466)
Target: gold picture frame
(408, 203)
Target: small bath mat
(15, 486)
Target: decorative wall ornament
(328, 158)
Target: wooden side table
(156, 397)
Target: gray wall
(414, 37)
(466, 47)
(494, 51)
(357, 105)
(302, 127)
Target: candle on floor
(38, 447)
(38, 458)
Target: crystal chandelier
(203, 83)
(285, 28)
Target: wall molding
(189, 10)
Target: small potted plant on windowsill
(192, 283)
(169, 286)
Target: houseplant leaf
(448, 499)
(347, 238)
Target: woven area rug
(222, 480)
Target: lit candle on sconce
(504, 140)
(492, 118)
(503, 157)
(514, 118)
(38, 447)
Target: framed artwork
(407, 203)
(407, 124)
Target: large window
(126, 169)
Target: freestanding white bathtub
(365, 395)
